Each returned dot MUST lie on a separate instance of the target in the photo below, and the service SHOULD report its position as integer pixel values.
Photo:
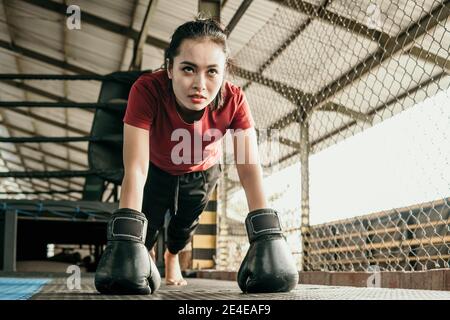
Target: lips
(197, 96)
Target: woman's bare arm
(136, 158)
(249, 168)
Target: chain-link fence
(356, 96)
(406, 239)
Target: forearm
(250, 176)
(131, 193)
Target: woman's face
(197, 73)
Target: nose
(199, 82)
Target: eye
(188, 69)
(213, 72)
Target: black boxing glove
(126, 266)
(269, 265)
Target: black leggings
(185, 196)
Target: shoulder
(232, 89)
(152, 82)
(232, 93)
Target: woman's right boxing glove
(126, 266)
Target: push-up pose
(174, 123)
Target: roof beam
(372, 113)
(99, 22)
(431, 58)
(292, 94)
(391, 47)
(222, 5)
(281, 48)
(290, 143)
(335, 19)
(128, 40)
(138, 52)
(238, 15)
(313, 11)
(87, 18)
(404, 39)
(358, 116)
(297, 97)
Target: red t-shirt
(176, 146)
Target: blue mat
(20, 288)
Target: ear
(169, 69)
(169, 74)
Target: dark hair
(200, 28)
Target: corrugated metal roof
(113, 10)
(35, 28)
(169, 15)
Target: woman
(173, 126)
(191, 89)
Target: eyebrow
(194, 65)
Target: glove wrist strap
(262, 222)
(127, 224)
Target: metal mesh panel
(321, 73)
(411, 238)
